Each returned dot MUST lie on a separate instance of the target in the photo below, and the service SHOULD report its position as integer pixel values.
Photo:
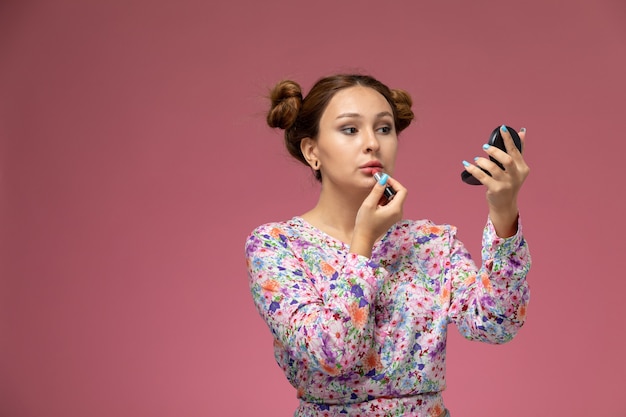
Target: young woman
(357, 298)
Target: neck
(335, 214)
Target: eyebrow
(378, 116)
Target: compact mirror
(495, 139)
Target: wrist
(504, 220)
(361, 245)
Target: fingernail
(475, 159)
(504, 129)
(383, 179)
(523, 129)
(466, 163)
(486, 146)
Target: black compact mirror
(495, 139)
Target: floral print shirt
(362, 336)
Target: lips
(372, 167)
(372, 164)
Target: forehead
(358, 99)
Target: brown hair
(300, 117)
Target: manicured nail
(466, 163)
(523, 129)
(383, 179)
(503, 127)
(486, 146)
(475, 159)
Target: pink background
(135, 160)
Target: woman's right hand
(374, 219)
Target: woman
(357, 298)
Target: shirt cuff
(496, 246)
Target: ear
(308, 147)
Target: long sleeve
(358, 335)
(316, 302)
(489, 304)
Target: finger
(488, 165)
(397, 200)
(509, 144)
(377, 192)
(499, 155)
(401, 191)
(502, 176)
(522, 136)
(478, 173)
(396, 185)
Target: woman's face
(356, 138)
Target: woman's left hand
(504, 184)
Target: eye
(349, 130)
(385, 129)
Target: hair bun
(286, 98)
(403, 103)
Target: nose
(371, 142)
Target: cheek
(338, 151)
(392, 150)
(390, 162)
